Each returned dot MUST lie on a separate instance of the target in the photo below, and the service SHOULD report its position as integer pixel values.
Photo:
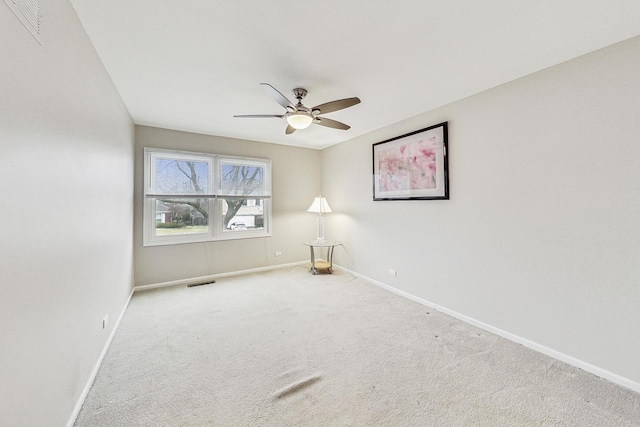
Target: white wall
(541, 237)
(295, 182)
(66, 174)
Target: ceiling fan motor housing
(299, 93)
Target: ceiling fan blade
(258, 116)
(290, 130)
(323, 121)
(278, 97)
(329, 107)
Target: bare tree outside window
(237, 181)
(182, 178)
(188, 177)
(195, 197)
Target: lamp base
(320, 237)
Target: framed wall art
(412, 166)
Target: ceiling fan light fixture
(299, 120)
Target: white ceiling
(192, 64)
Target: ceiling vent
(28, 11)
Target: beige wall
(66, 175)
(541, 237)
(295, 182)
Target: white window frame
(214, 195)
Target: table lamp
(320, 206)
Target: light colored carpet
(285, 348)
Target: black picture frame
(414, 166)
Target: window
(195, 197)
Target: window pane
(182, 189)
(182, 216)
(181, 176)
(242, 214)
(242, 180)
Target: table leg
(313, 261)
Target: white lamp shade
(299, 120)
(319, 205)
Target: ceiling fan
(300, 117)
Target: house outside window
(195, 197)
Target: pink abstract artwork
(410, 166)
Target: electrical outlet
(105, 321)
(278, 253)
(392, 272)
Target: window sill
(179, 240)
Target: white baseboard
(603, 373)
(92, 377)
(204, 279)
